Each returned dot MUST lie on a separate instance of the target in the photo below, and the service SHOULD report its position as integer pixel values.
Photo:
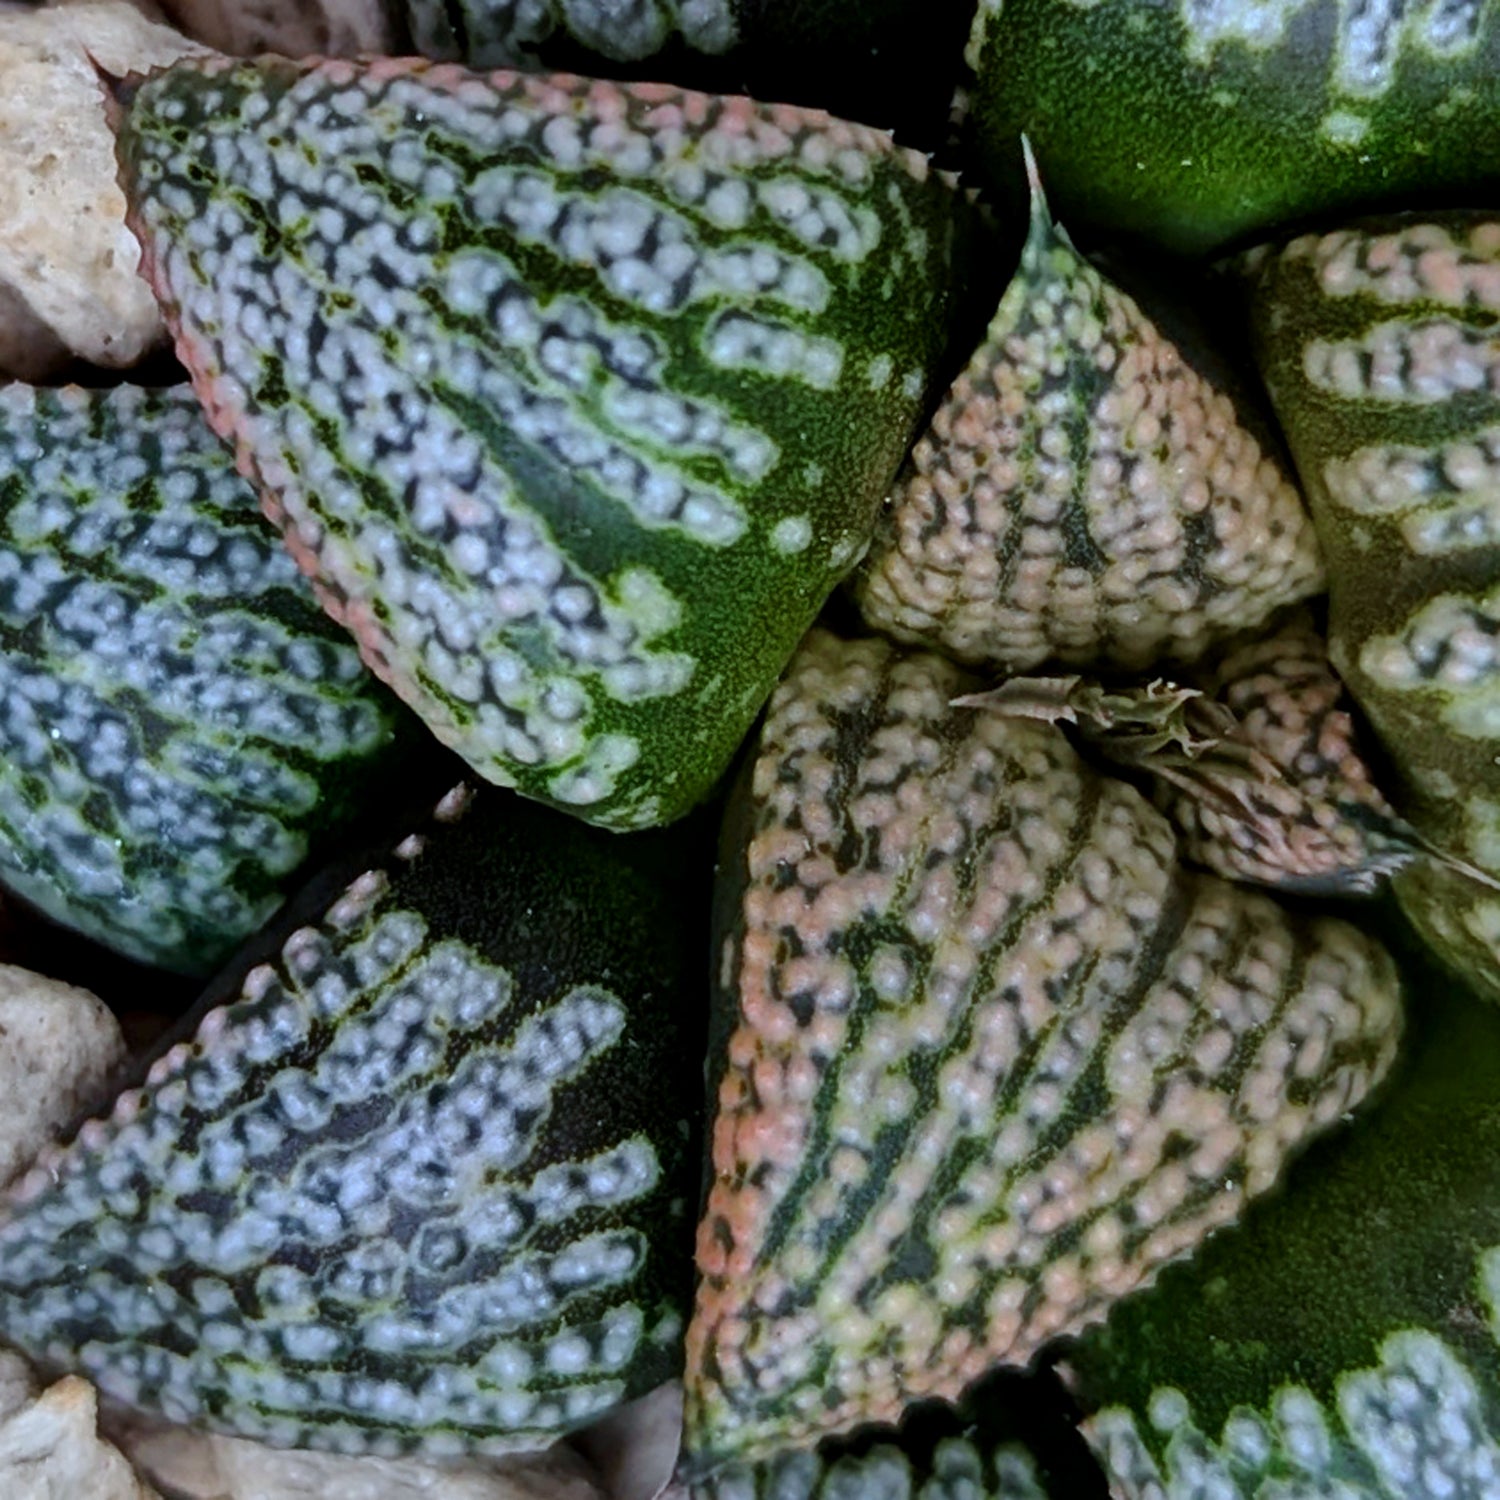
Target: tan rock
(50, 1448)
(206, 1467)
(58, 1047)
(66, 256)
(295, 28)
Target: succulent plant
(1378, 345)
(1011, 1437)
(1260, 769)
(1287, 798)
(893, 63)
(959, 1469)
(422, 1181)
(1084, 495)
(497, 33)
(988, 1055)
(182, 724)
(1195, 124)
(575, 399)
(1341, 1340)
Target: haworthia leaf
(496, 33)
(1012, 1437)
(576, 399)
(1084, 495)
(1198, 122)
(180, 721)
(892, 63)
(1381, 349)
(989, 1055)
(1258, 769)
(423, 1183)
(959, 1470)
(1302, 811)
(1342, 1341)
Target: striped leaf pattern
(1341, 1341)
(422, 1183)
(180, 720)
(989, 1056)
(960, 1469)
(575, 399)
(1381, 349)
(1084, 495)
(496, 33)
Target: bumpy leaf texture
(1083, 495)
(1380, 346)
(576, 399)
(181, 723)
(423, 1182)
(989, 1056)
(1301, 811)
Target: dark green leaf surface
(1195, 123)
(575, 399)
(425, 1182)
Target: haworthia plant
(1299, 808)
(1258, 769)
(892, 63)
(575, 399)
(496, 33)
(1379, 346)
(1197, 123)
(181, 722)
(1344, 1340)
(1011, 1438)
(423, 1182)
(959, 1469)
(988, 1055)
(1083, 495)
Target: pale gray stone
(67, 260)
(50, 1448)
(58, 1047)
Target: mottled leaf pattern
(1083, 496)
(574, 398)
(960, 1469)
(423, 1183)
(496, 33)
(1380, 345)
(989, 1055)
(180, 721)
